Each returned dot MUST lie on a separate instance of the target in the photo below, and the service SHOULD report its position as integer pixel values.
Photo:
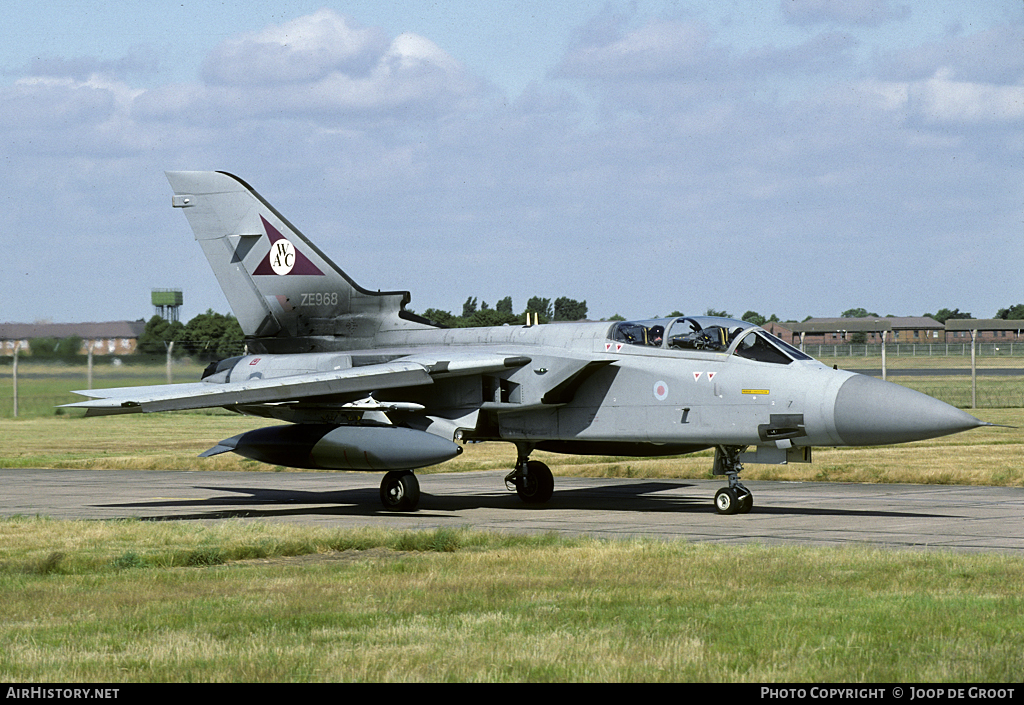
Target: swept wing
(404, 372)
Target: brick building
(108, 338)
(839, 331)
(989, 330)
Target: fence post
(17, 344)
(885, 334)
(170, 349)
(974, 370)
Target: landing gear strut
(532, 479)
(734, 499)
(400, 491)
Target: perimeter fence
(43, 386)
(916, 350)
(992, 378)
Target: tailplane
(287, 295)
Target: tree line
(1010, 313)
(473, 315)
(209, 336)
(214, 336)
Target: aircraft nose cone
(869, 411)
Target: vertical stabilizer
(284, 291)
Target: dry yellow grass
(983, 456)
(141, 441)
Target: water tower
(167, 302)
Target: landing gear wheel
(537, 486)
(400, 491)
(734, 499)
(746, 503)
(727, 501)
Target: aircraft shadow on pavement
(250, 502)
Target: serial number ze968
(320, 298)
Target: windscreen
(707, 334)
(757, 346)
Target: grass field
(44, 386)
(132, 601)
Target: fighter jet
(364, 384)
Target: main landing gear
(532, 479)
(734, 499)
(400, 491)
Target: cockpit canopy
(707, 334)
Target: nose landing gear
(734, 499)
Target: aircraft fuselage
(583, 389)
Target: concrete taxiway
(794, 513)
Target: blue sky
(796, 157)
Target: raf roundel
(660, 390)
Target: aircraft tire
(727, 501)
(538, 485)
(746, 503)
(400, 491)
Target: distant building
(990, 330)
(109, 338)
(839, 331)
(783, 330)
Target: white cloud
(68, 115)
(945, 100)
(991, 55)
(303, 50)
(871, 13)
(324, 62)
(139, 61)
(942, 100)
(657, 49)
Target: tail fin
(287, 295)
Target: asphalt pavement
(792, 513)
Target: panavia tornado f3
(363, 384)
